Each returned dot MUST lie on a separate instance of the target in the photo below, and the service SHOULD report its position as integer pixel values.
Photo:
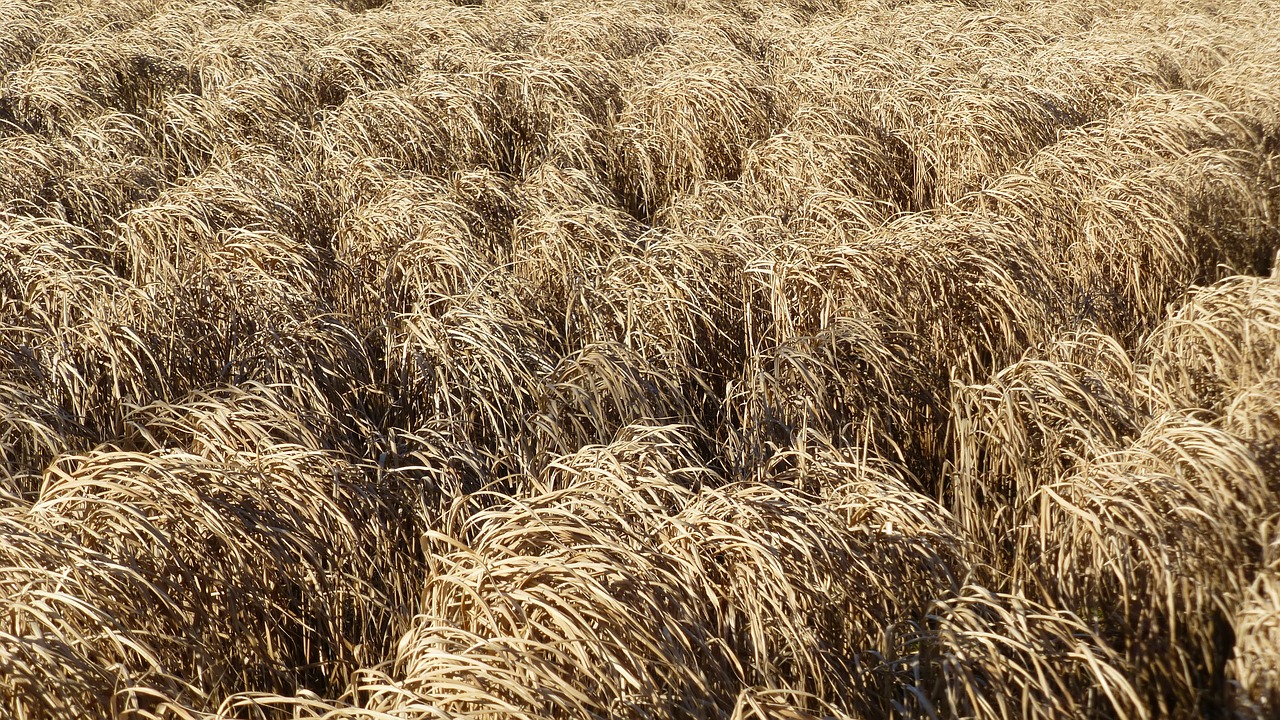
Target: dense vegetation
(644, 359)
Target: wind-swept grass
(638, 358)
(1134, 493)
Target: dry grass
(748, 359)
(1143, 486)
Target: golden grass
(1142, 485)
(748, 359)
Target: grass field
(639, 359)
